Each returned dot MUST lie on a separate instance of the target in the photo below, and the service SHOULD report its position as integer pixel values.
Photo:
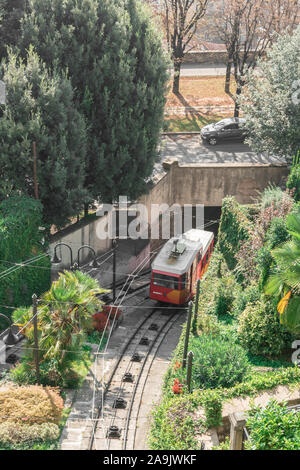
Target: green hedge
(16, 289)
(274, 427)
(293, 182)
(234, 227)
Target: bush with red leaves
(103, 320)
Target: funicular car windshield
(164, 280)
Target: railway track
(137, 284)
(118, 415)
(139, 276)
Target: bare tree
(181, 19)
(228, 24)
(248, 28)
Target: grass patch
(260, 361)
(201, 90)
(191, 123)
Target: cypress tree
(40, 108)
(115, 61)
(11, 14)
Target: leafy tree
(116, 64)
(271, 103)
(40, 108)
(11, 13)
(285, 281)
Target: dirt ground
(200, 91)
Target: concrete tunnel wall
(208, 184)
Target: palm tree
(72, 301)
(285, 280)
(64, 314)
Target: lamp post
(10, 339)
(187, 334)
(35, 333)
(56, 259)
(94, 263)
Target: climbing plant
(21, 240)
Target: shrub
(223, 299)
(277, 233)
(101, 322)
(14, 433)
(30, 404)
(259, 329)
(234, 227)
(275, 203)
(172, 427)
(95, 337)
(213, 410)
(293, 182)
(244, 297)
(216, 292)
(274, 427)
(218, 363)
(271, 195)
(208, 324)
(52, 373)
(264, 262)
(246, 268)
(104, 319)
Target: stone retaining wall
(206, 57)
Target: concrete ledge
(232, 165)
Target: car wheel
(212, 141)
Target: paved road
(203, 70)
(191, 150)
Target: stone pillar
(238, 422)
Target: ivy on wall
(234, 227)
(20, 240)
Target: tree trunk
(228, 77)
(86, 210)
(176, 78)
(237, 105)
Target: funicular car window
(163, 280)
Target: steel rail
(115, 368)
(161, 333)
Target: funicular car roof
(194, 241)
